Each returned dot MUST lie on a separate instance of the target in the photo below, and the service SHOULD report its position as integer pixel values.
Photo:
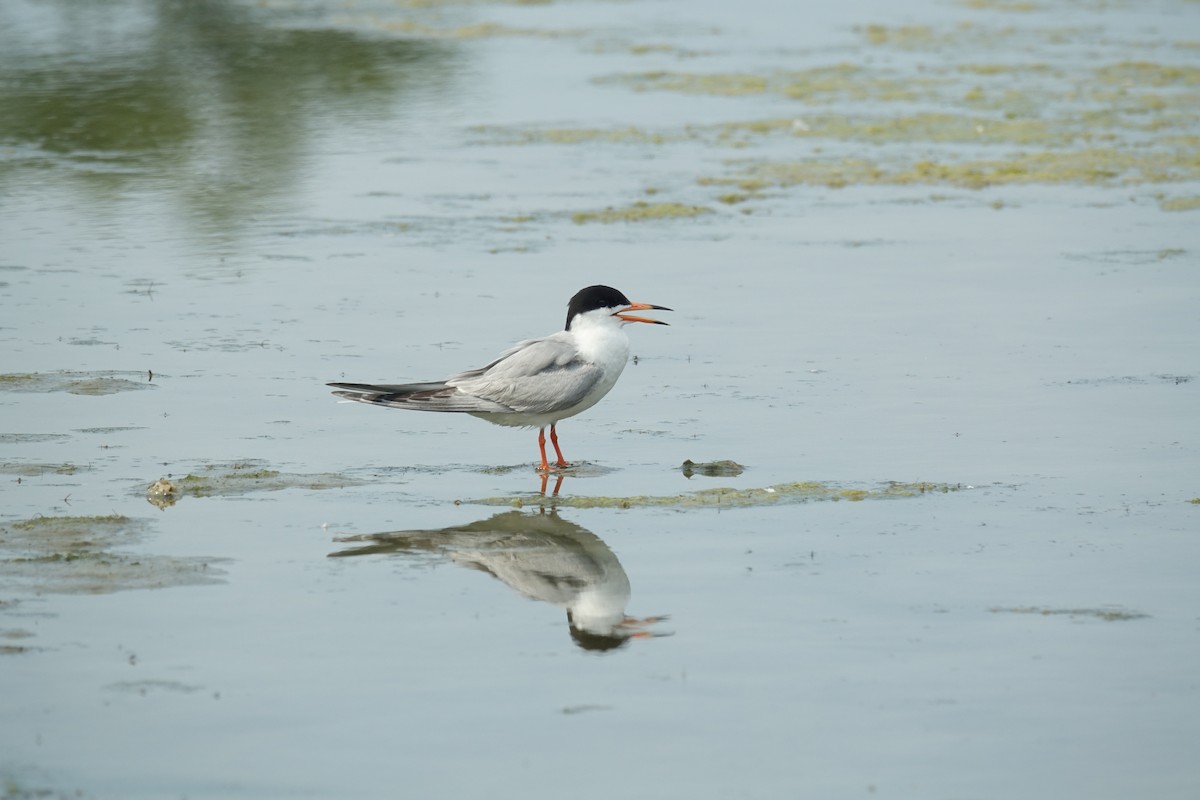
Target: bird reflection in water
(542, 556)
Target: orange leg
(545, 467)
(562, 462)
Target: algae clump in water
(81, 554)
(242, 479)
(640, 211)
(784, 493)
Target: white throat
(601, 340)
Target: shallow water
(935, 280)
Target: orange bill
(624, 314)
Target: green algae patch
(728, 84)
(1110, 122)
(1092, 166)
(227, 483)
(29, 438)
(734, 198)
(985, 118)
(86, 555)
(1180, 204)
(779, 494)
(724, 468)
(970, 36)
(240, 481)
(850, 82)
(103, 386)
(49, 529)
(145, 687)
(925, 127)
(33, 470)
(824, 84)
(1147, 73)
(111, 429)
(1009, 6)
(641, 211)
(11, 648)
(915, 36)
(1105, 614)
(82, 383)
(478, 30)
(518, 135)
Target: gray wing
(537, 376)
(430, 396)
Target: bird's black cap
(594, 297)
(596, 642)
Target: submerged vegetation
(1106, 614)
(999, 105)
(84, 554)
(238, 479)
(73, 528)
(818, 84)
(1180, 204)
(31, 470)
(638, 212)
(84, 383)
(1099, 166)
(784, 493)
(724, 468)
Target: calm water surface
(938, 263)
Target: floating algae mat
(81, 555)
(799, 492)
(992, 105)
(640, 211)
(243, 479)
(85, 383)
(1113, 614)
(32, 470)
(724, 468)
(28, 438)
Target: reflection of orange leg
(545, 467)
(562, 462)
(545, 480)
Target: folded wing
(537, 376)
(417, 397)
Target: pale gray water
(250, 200)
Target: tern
(537, 382)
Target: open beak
(624, 314)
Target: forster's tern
(537, 382)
